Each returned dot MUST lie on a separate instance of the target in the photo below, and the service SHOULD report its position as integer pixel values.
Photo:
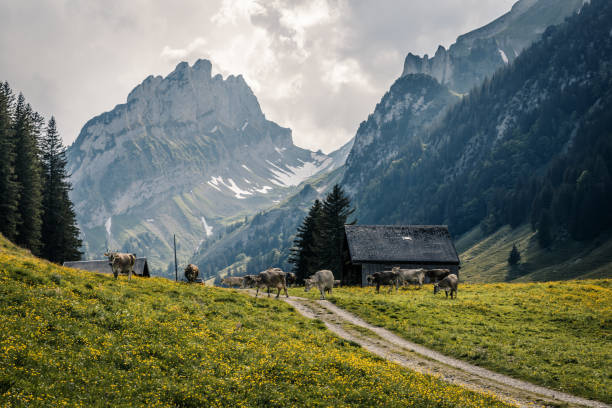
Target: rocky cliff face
(477, 54)
(183, 155)
(413, 102)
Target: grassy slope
(485, 258)
(558, 334)
(82, 339)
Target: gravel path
(390, 346)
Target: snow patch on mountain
(503, 56)
(264, 189)
(208, 230)
(293, 176)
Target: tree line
(35, 210)
(319, 242)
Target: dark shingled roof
(141, 267)
(401, 243)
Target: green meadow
(556, 334)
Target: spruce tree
(27, 170)
(303, 255)
(514, 257)
(60, 235)
(329, 241)
(9, 189)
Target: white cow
(410, 276)
(323, 280)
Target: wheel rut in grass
(394, 348)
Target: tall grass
(73, 338)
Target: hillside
(555, 334)
(265, 239)
(80, 339)
(187, 154)
(428, 87)
(484, 258)
(531, 145)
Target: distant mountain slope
(415, 101)
(183, 154)
(532, 144)
(264, 241)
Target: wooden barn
(374, 248)
(141, 267)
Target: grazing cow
(121, 263)
(191, 272)
(273, 278)
(410, 276)
(233, 281)
(250, 281)
(323, 280)
(291, 278)
(449, 284)
(434, 275)
(390, 278)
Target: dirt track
(391, 347)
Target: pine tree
(27, 170)
(335, 213)
(303, 255)
(514, 257)
(60, 235)
(9, 189)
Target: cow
(273, 278)
(434, 275)
(323, 280)
(449, 284)
(291, 278)
(410, 276)
(390, 278)
(121, 263)
(191, 272)
(233, 281)
(336, 282)
(250, 281)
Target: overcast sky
(316, 66)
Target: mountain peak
(477, 54)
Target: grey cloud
(76, 59)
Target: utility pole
(175, 265)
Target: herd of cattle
(323, 280)
(276, 278)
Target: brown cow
(449, 284)
(121, 263)
(273, 278)
(233, 281)
(291, 278)
(191, 272)
(434, 275)
(390, 278)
